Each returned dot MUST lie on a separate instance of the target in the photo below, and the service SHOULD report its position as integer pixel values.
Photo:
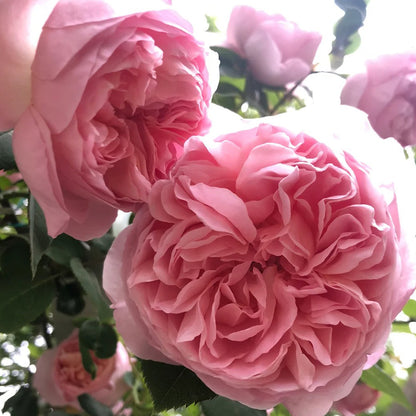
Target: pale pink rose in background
(278, 51)
(271, 263)
(60, 376)
(21, 22)
(386, 91)
(117, 88)
(361, 398)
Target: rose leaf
(223, 406)
(173, 386)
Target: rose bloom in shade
(60, 376)
(270, 263)
(278, 51)
(386, 91)
(116, 89)
(361, 398)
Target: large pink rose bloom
(60, 376)
(386, 91)
(117, 88)
(278, 51)
(270, 262)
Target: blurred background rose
(361, 399)
(386, 91)
(278, 51)
(60, 376)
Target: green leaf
(92, 288)
(23, 403)
(222, 406)
(103, 243)
(70, 299)
(346, 37)
(228, 90)
(173, 386)
(99, 337)
(87, 360)
(212, 24)
(359, 5)
(92, 407)
(6, 151)
(410, 308)
(22, 299)
(231, 64)
(376, 378)
(39, 238)
(401, 327)
(280, 410)
(63, 248)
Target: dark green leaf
(376, 378)
(231, 64)
(70, 299)
(129, 378)
(22, 299)
(23, 403)
(63, 248)
(99, 337)
(6, 151)
(39, 238)
(93, 407)
(228, 90)
(93, 289)
(346, 36)
(103, 243)
(87, 360)
(222, 406)
(173, 386)
(410, 308)
(359, 5)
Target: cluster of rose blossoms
(268, 256)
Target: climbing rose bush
(60, 376)
(272, 261)
(116, 89)
(386, 91)
(278, 51)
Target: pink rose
(387, 93)
(270, 263)
(21, 22)
(361, 398)
(60, 376)
(117, 88)
(278, 51)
